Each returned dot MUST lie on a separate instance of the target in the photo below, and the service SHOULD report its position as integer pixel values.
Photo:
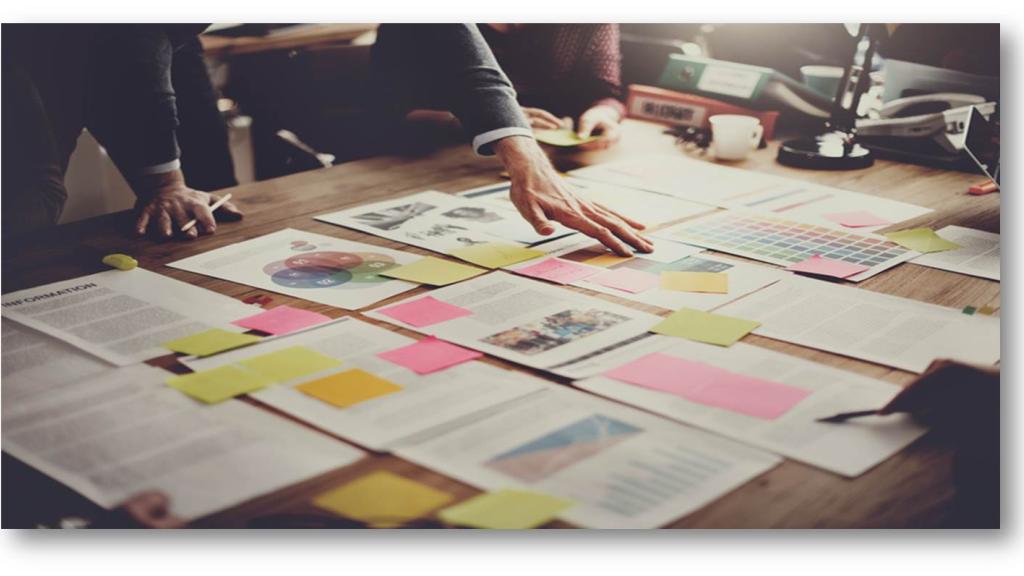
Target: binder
(678, 109)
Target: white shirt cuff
(161, 168)
(481, 141)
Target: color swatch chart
(785, 242)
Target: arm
(603, 87)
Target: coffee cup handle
(756, 136)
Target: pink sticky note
(424, 312)
(627, 280)
(827, 267)
(560, 271)
(282, 320)
(857, 219)
(710, 385)
(429, 355)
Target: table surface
(911, 489)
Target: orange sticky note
(348, 388)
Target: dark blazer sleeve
(419, 65)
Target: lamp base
(828, 151)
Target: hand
(144, 510)
(544, 120)
(169, 204)
(541, 195)
(603, 120)
(949, 393)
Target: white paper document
(648, 208)
(849, 449)
(532, 323)
(123, 317)
(739, 189)
(439, 222)
(621, 467)
(314, 267)
(423, 403)
(112, 436)
(879, 328)
(743, 278)
(979, 255)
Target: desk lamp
(837, 147)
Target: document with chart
(123, 317)
(522, 320)
(621, 467)
(766, 399)
(123, 432)
(415, 403)
(888, 330)
(977, 256)
(305, 265)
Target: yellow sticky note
(923, 240)
(348, 388)
(705, 327)
(219, 384)
(505, 510)
(711, 282)
(210, 342)
(563, 137)
(495, 254)
(433, 271)
(382, 499)
(607, 260)
(290, 363)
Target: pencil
(188, 225)
(844, 416)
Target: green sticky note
(290, 363)
(433, 271)
(505, 510)
(969, 310)
(210, 342)
(219, 384)
(496, 254)
(563, 137)
(705, 327)
(923, 240)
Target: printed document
(979, 255)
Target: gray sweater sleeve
(448, 65)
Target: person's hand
(600, 120)
(543, 120)
(166, 204)
(144, 510)
(950, 393)
(541, 195)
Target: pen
(844, 416)
(188, 225)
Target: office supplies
(282, 319)
(429, 355)
(923, 240)
(709, 282)
(210, 342)
(827, 267)
(786, 242)
(219, 384)
(977, 254)
(557, 271)
(562, 138)
(425, 311)
(382, 499)
(290, 363)
(626, 280)
(188, 225)
(857, 219)
(681, 109)
(348, 388)
(982, 188)
(981, 143)
(495, 254)
(305, 265)
(844, 416)
(120, 261)
(434, 271)
(704, 327)
(505, 510)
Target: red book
(680, 109)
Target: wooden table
(912, 489)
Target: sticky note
(563, 138)
(705, 327)
(558, 271)
(433, 271)
(290, 363)
(710, 282)
(425, 311)
(282, 320)
(626, 279)
(969, 310)
(219, 384)
(429, 355)
(923, 240)
(711, 385)
(496, 254)
(857, 219)
(382, 499)
(210, 342)
(348, 388)
(986, 310)
(120, 261)
(505, 510)
(607, 260)
(827, 267)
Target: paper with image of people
(440, 222)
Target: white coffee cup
(735, 136)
